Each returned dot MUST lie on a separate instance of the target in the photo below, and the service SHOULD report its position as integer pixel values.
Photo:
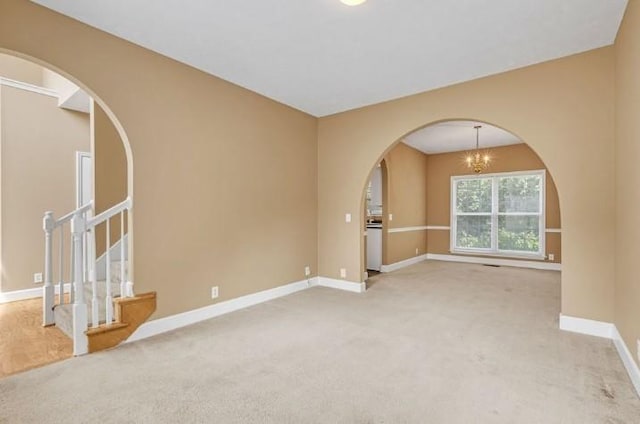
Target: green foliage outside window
(519, 195)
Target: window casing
(499, 214)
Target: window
(500, 214)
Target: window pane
(519, 194)
(473, 195)
(473, 231)
(519, 233)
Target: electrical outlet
(390, 217)
(307, 271)
(347, 218)
(343, 273)
(417, 251)
(214, 292)
(551, 256)
(37, 277)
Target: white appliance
(374, 247)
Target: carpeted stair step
(63, 313)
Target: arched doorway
(105, 234)
(522, 229)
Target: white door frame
(79, 183)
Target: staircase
(63, 312)
(129, 314)
(98, 314)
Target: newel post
(80, 318)
(48, 292)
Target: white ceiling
(323, 57)
(455, 136)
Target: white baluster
(48, 292)
(109, 298)
(123, 281)
(84, 254)
(80, 342)
(95, 316)
(72, 270)
(61, 267)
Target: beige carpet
(433, 343)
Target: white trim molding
(12, 296)
(397, 265)
(28, 87)
(586, 326)
(608, 331)
(553, 230)
(627, 359)
(406, 229)
(340, 284)
(551, 266)
(418, 228)
(173, 322)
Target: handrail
(83, 268)
(113, 211)
(70, 215)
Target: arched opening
(68, 159)
(437, 207)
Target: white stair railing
(52, 228)
(83, 266)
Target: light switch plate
(347, 217)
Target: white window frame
(493, 250)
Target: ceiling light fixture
(353, 2)
(476, 160)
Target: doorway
(84, 178)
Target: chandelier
(477, 160)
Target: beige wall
(14, 68)
(442, 167)
(627, 300)
(58, 83)
(197, 141)
(406, 200)
(211, 160)
(547, 106)
(109, 173)
(38, 144)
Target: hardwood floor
(24, 342)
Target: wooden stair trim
(103, 328)
(130, 313)
(137, 298)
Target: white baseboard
(551, 266)
(341, 284)
(12, 296)
(627, 359)
(608, 331)
(162, 325)
(587, 326)
(173, 322)
(402, 264)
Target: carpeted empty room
(436, 342)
